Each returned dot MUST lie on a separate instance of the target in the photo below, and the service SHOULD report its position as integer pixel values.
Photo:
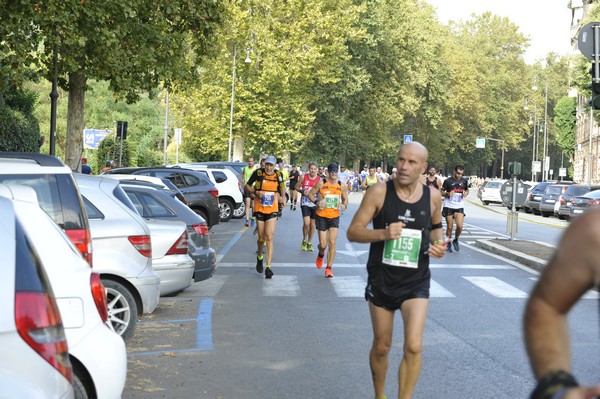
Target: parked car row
(213, 193)
(140, 241)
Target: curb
(524, 259)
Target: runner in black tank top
(397, 281)
(406, 218)
(435, 183)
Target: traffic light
(122, 129)
(514, 168)
(595, 86)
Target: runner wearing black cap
(330, 196)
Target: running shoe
(304, 245)
(328, 272)
(310, 247)
(291, 207)
(319, 261)
(268, 272)
(247, 223)
(259, 265)
(251, 222)
(449, 248)
(294, 208)
(455, 245)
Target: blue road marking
(231, 243)
(203, 330)
(204, 325)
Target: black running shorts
(451, 211)
(263, 217)
(324, 224)
(310, 211)
(379, 299)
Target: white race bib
(403, 251)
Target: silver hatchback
(122, 252)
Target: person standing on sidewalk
(407, 230)
(248, 170)
(307, 207)
(573, 270)
(454, 190)
(267, 187)
(329, 196)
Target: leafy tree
(19, 130)
(135, 45)
(565, 120)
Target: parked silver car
(155, 203)
(122, 252)
(170, 259)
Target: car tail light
(39, 324)
(200, 229)
(215, 193)
(594, 202)
(83, 241)
(562, 200)
(99, 295)
(181, 245)
(142, 244)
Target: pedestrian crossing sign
(480, 142)
(407, 138)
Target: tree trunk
(75, 122)
(238, 149)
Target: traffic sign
(480, 142)
(585, 40)
(506, 193)
(408, 138)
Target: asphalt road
(301, 335)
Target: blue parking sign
(407, 138)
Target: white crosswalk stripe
(437, 291)
(349, 286)
(496, 287)
(281, 286)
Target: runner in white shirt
(454, 190)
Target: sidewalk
(533, 254)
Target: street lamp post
(545, 160)
(247, 61)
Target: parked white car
(122, 251)
(97, 353)
(231, 199)
(32, 365)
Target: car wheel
(122, 309)
(78, 388)
(527, 210)
(536, 212)
(546, 214)
(226, 209)
(485, 202)
(561, 217)
(240, 211)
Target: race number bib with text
(404, 251)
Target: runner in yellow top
(370, 179)
(330, 196)
(267, 188)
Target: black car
(551, 196)
(572, 191)
(584, 203)
(200, 193)
(154, 202)
(532, 204)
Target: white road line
(349, 286)
(281, 286)
(437, 291)
(310, 264)
(496, 287)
